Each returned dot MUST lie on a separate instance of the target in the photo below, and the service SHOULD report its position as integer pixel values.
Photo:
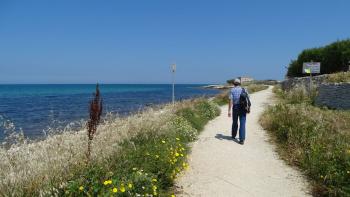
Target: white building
(245, 79)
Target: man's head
(237, 82)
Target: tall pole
(310, 86)
(173, 69)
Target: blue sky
(128, 41)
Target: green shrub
(334, 57)
(223, 98)
(256, 87)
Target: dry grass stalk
(95, 117)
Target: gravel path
(220, 166)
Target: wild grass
(317, 140)
(223, 97)
(136, 155)
(299, 94)
(338, 77)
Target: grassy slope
(141, 154)
(317, 140)
(223, 99)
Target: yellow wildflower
(130, 185)
(115, 190)
(154, 180)
(181, 155)
(178, 139)
(107, 182)
(154, 187)
(177, 154)
(81, 188)
(163, 141)
(155, 193)
(172, 195)
(122, 188)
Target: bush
(223, 98)
(314, 139)
(334, 57)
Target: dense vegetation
(334, 57)
(317, 140)
(222, 99)
(140, 155)
(264, 82)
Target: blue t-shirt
(235, 94)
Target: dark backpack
(244, 101)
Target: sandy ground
(220, 166)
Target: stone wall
(303, 81)
(332, 95)
(335, 96)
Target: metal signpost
(173, 69)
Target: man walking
(238, 111)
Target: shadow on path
(220, 136)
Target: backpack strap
(244, 91)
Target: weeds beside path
(314, 139)
(221, 167)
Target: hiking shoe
(241, 142)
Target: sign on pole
(311, 67)
(173, 67)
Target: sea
(36, 110)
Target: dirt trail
(220, 166)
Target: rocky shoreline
(217, 87)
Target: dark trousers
(237, 113)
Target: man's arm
(229, 107)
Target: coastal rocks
(219, 87)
